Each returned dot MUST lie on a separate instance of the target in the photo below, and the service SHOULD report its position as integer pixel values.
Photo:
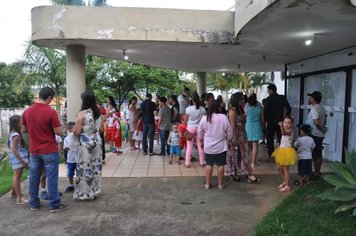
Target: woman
(88, 124)
(127, 123)
(254, 121)
(238, 146)
(133, 122)
(222, 104)
(215, 131)
(193, 115)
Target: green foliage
(344, 182)
(42, 67)
(119, 79)
(10, 98)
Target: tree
(258, 79)
(8, 98)
(42, 67)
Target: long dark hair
(252, 100)
(14, 127)
(89, 101)
(112, 102)
(235, 102)
(196, 100)
(213, 108)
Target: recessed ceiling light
(308, 42)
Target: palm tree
(257, 79)
(43, 67)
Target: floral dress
(237, 157)
(89, 166)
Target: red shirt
(40, 120)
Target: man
(183, 101)
(164, 124)
(42, 124)
(175, 116)
(317, 120)
(148, 120)
(276, 107)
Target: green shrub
(344, 181)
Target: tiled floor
(135, 164)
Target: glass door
(293, 96)
(332, 87)
(352, 114)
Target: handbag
(188, 135)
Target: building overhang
(200, 40)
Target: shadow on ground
(150, 206)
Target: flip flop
(285, 189)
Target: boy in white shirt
(304, 145)
(72, 149)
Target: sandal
(22, 201)
(178, 162)
(170, 162)
(297, 183)
(234, 177)
(221, 187)
(253, 180)
(285, 189)
(282, 185)
(207, 186)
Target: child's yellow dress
(285, 154)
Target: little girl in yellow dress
(285, 155)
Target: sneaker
(22, 201)
(69, 188)
(44, 195)
(34, 208)
(61, 207)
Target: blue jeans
(127, 130)
(163, 134)
(51, 163)
(148, 129)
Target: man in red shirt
(42, 124)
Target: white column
(75, 72)
(201, 83)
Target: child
(173, 141)
(285, 155)
(137, 135)
(18, 157)
(304, 145)
(69, 145)
(117, 138)
(110, 130)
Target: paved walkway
(174, 205)
(134, 164)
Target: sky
(15, 19)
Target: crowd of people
(224, 135)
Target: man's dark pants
(272, 129)
(148, 130)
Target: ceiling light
(308, 42)
(124, 54)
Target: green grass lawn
(303, 213)
(6, 178)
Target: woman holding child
(88, 125)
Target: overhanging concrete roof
(191, 40)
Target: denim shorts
(71, 167)
(174, 150)
(16, 164)
(305, 167)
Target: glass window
(293, 96)
(352, 112)
(332, 86)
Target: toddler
(70, 146)
(173, 141)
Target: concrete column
(201, 83)
(75, 73)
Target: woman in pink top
(214, 131)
